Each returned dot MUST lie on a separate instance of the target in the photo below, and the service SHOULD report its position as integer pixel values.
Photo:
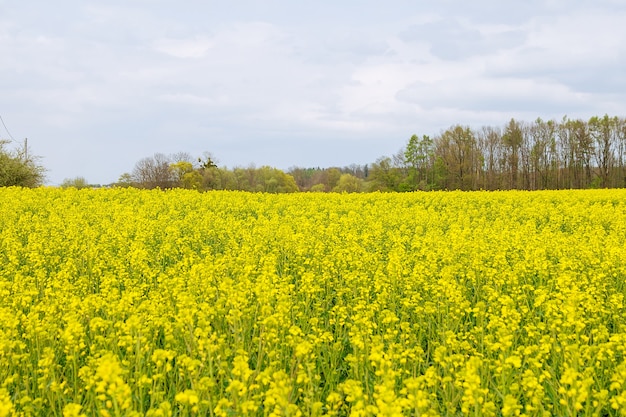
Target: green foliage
(348, 184)
(185, 175)
(419, 155)
(77, 182)
(270, 180)
(125, 180)
(334, 174)
(533, 156)
(208, 162)
(384, 176)
(18, 169)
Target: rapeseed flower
(134, 302)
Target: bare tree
(153, 172)
(603, 132)
(458, 149)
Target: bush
(17, 169)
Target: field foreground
(131, 303)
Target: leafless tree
(153, 172)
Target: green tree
(18, 168)
(213, 178)
(125, 180)
(273, 180)
(305, 177)
(332, 178)
(76, 182)
(265, 179)
(185, 175)
(348, 183)
(419, 155)
(384, 175)
(208, 161)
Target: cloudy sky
(97, 85)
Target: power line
(5, 128)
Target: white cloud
(195, 100)
(503, 95)
(195, 47)
(153, 75)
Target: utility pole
(26, 148)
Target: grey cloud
(355, 47)
(584, 50)
(503, 12)
(449, 39)
(494, 95)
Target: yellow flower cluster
(127, 302)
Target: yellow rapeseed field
(148, 303)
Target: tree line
(527, 156)
(538, 155)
